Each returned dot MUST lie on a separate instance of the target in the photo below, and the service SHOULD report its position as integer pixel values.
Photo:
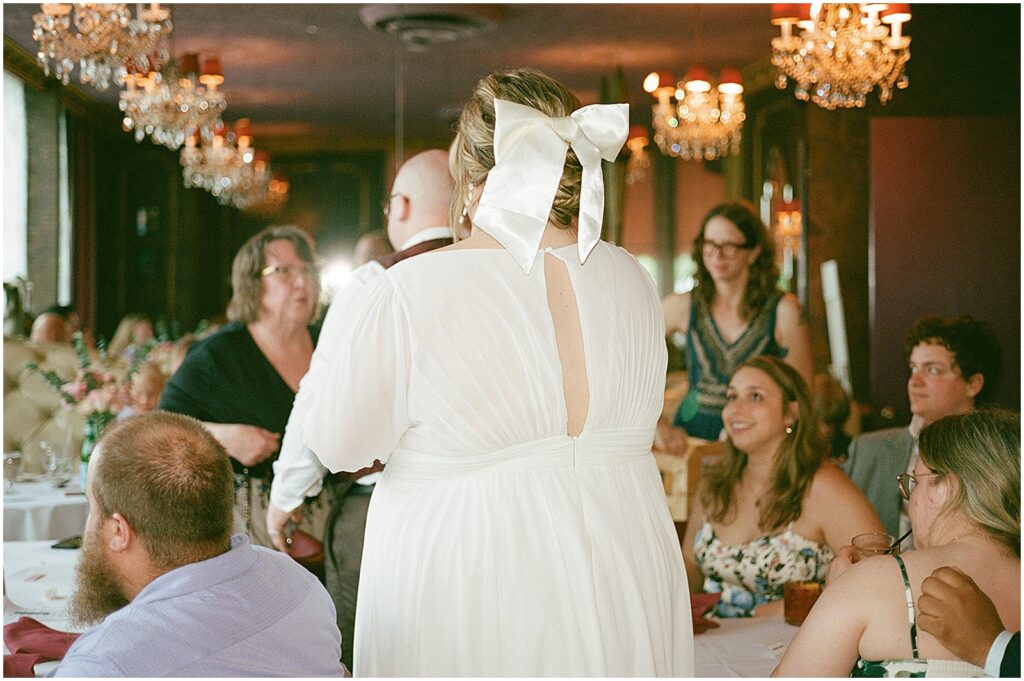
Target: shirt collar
(428, 234)
(201, 575)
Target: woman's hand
(276, 522)
(840, 564)
(669, 439)
(248, 445)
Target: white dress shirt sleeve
(298, 472)
(995, 654)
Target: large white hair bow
(529, 157)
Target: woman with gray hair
(964, 504)
(511, 384)
(241, 381)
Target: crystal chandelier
(843, 52)
(704, 121)
(273, 199)
(101, 39)
(170, 103)
(228, 167)
(639, 162)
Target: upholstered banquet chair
(32, 410)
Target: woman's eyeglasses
(289, 272)
(727, 249)
(908, 482)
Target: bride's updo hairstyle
(471, 155)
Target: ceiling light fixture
(101, 39)
(843, 52)
(703, 122)
(228, 166)
(168, 104)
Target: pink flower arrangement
(93, 389)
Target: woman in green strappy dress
(964, 501)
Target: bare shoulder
(676, 308)
(829, 485)
(790, 311)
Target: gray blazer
(875, 459)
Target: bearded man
(176, 593)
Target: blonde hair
(249, 262)
(982, 451)
(124, 336)
(471, 155)
(149, 371)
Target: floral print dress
(751, 574)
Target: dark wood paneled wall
(966, 64)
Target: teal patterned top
(751, 574)
(710, 361)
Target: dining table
(38, 581)
(36, 510)
(742, 647)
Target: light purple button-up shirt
(247, 612)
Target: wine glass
(12, 466)
(56, 465)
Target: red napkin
(699, 605)
(21, 666)
(31, 636)
(308, 551)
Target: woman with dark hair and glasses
(964, 505)
(735, 312)
(241, 381)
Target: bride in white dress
(511, 383)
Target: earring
(465, 205)
(789, 430)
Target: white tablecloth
(749, 647)
(38, 582)
(36, 511)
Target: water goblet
(12, 466)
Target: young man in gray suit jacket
(954, 365)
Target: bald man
(49, 327)
(371, 246)
(417, 212)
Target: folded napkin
(699, 605)
(21, 666)
(33, 637)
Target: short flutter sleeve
(361, 412)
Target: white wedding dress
(496, 544)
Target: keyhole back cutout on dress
(565, 317)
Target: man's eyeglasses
(727, 249)
(386, 204)
(908, 482)
(289, 272)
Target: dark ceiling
(316, 72)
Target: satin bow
(529, 157)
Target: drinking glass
(873, 544)
(58, 471)
(797, 600)
(12, 466)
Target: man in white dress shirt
(417, 211)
